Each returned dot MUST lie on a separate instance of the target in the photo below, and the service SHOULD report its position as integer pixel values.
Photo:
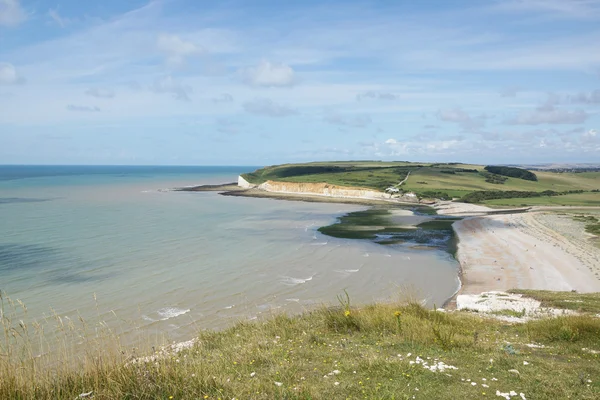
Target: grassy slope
(429, 177)
(577, 199)
(365, 350)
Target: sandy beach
(533, 250)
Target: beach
(530, 250)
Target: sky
(186, 82)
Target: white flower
(484, 385)
(525, 363)
(252, 374)
(473, 383)
(279, 383)
(522, 396)
(513, 393)
(336, 372)
(336, 383)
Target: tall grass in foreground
(381, 351)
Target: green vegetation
(582, 302)
(381, 351)
(592, 223)
(512, 172)
(443, 181)
(377, 177)
(579, 199)
(493, 178)
(379, 225)
(478, 197)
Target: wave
(347, 271)
(290, 281)
(319, 244)
(171, 312)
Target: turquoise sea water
(176, 262)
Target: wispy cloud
(76, 108)
(223, 98)
(57, 18)
(267, 74)
(373, 95)
(8, 74)
(11, 13)
(176, 49)
(167, 84)
(268, 107)
(100, 93)
(352, 121)
(592, 97)
(462, 118)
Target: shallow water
(178, 262)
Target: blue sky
(261, 82)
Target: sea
(117, 244)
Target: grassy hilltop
(383, 351)
(446, 180)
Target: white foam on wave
(291, 281)
(294, 300)
(346, 271)
(171, 312)
(229, 307)
(319, 244)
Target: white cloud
(76, 108)
(268, 108)
(590, 136)
(376, 96)
(167, 84)
(100, 93)
(8, 74)
(267, 74)
(11, 13)
(353, 121)
(176, 49)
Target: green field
(577, 199)
(397, 350)
(432, 180)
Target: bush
(512, 172)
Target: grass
(379, 351)
(582, 302)
(425, 178)
(592, 224)
(577, 199)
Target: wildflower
(347, 313)
(279, 384)
(397, 314)
(252, 374)
(336, 383)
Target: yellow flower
(347, 313)
(397, 313)
(170, 397)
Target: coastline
(498, 252)
(497, 249)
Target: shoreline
(497, 249)
(498, 252)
